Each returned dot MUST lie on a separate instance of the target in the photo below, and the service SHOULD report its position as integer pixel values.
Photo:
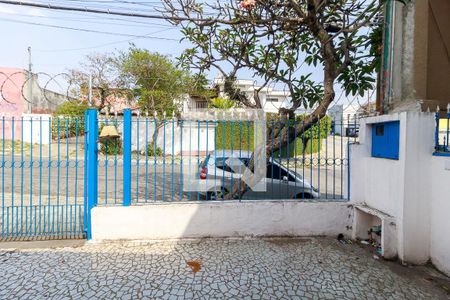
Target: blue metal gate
(55, 170)
(41, 177)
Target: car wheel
(304, 196)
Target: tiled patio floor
(310, 268)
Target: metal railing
(442, 134)
(41, 177)
(316, 164)
(45, 163)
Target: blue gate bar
(92, 168)
(85, 170)
(138, 126)
(76, 173)
(127, 157)
(164, 159)
(146, 158)
(448, 124)
(436, 135)
(173, 154)
(3, 175)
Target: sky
(59, 40)
(55, 50)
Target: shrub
(233, 135)
(312, 146)
(69, 121)
(72, 108)
(222, 103)
(239, 135)
(151, 150)
(65, 126)
(111, 147)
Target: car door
(276, 187)
(281, 188)
(224, 174)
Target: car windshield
(296, 174)
(223, 164)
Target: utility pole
(30, 82)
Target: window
(272, 100)
(221, 163)
(274, 171)
(386, 140)
(201, 104)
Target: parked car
(353, 132)
(281, 183)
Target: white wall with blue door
(413, 189)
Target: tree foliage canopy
(222, 103)
(284, 42)
(150, 80)
(154, 79)
(102, 70)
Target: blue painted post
(436, 135)
(85, 171)
(348, 160)
(448, 124)
(92, 167)
(127, 157)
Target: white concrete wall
(36, 128)
(374, 181)
(420, 128)
(221, 219)
(413, 190)
(440, 213)
(196, 137)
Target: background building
(416, 56)
(271, 99)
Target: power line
(95, 11)
(94, 20)
(88, 30)
(94, 47)
(82, 15)
(109, 5)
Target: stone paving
(310, 268)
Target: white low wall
(229, 219)
(377, 182)
(413, 191)
(440, 214)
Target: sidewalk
(309, 268)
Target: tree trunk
(154, 141)
(304, 145)
(283, 137)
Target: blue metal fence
(149, 168)
(442, 134)
(54, 170)
(41, 177)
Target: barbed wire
(8, 79)
(67, 87)
(11, 86)
(55, 89)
